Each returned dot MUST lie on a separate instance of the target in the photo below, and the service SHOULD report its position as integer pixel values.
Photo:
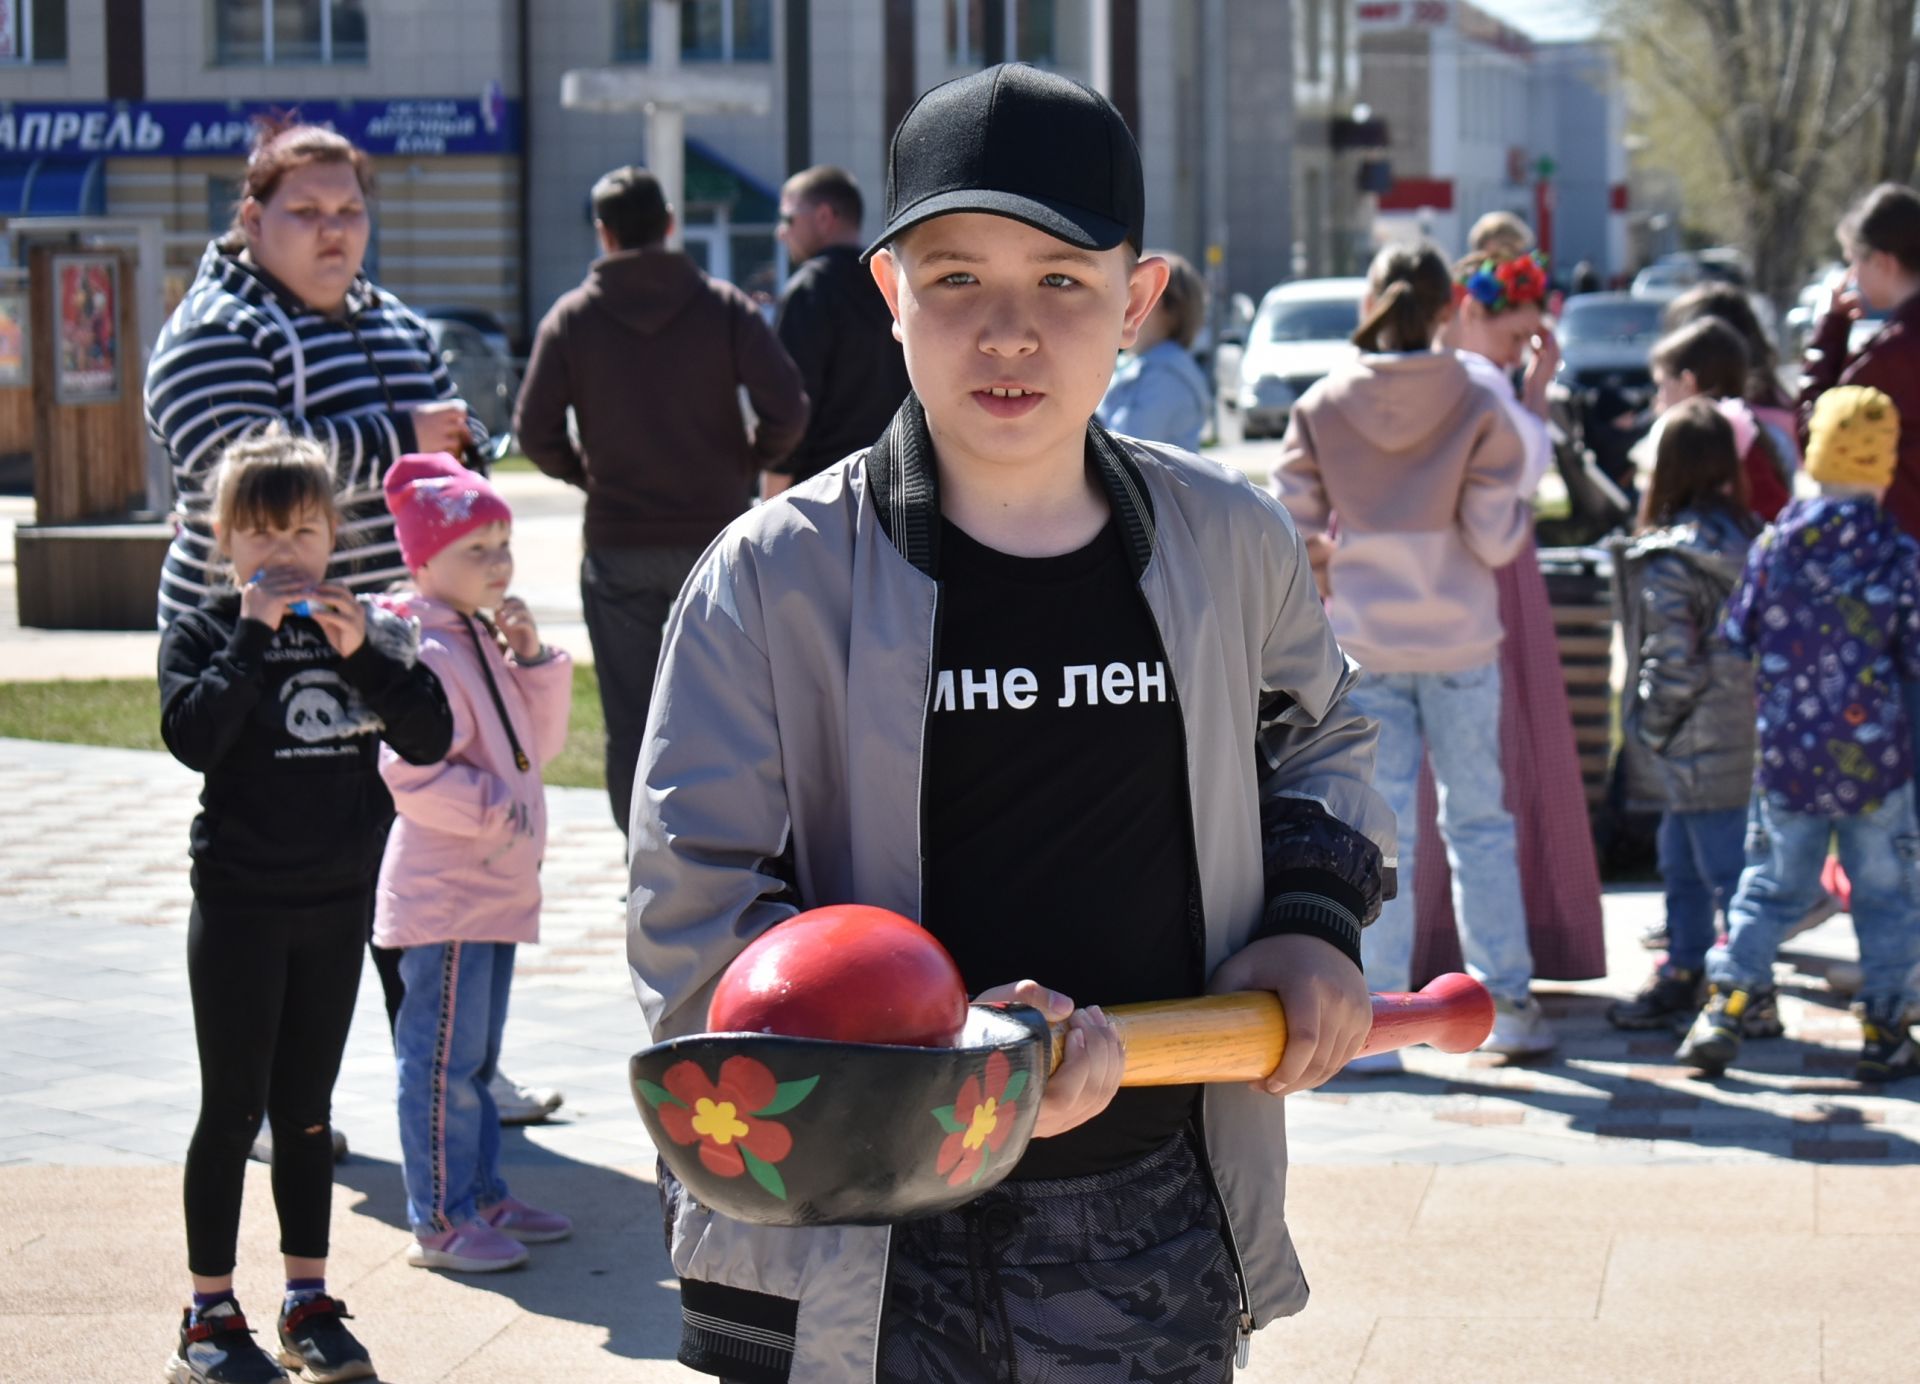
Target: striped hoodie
(242, 352)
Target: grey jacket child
(783, 765)
(1688, 714)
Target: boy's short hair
(631, 205)
(271, 478)
(1887, 218)
(1725, 302)
(825, 185)
(1712, 351)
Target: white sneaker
(1376, 1064)
(522, 1105)
(1520, 1029)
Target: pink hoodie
(463, 862)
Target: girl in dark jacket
(280, 693)
(1689, 703)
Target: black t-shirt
(1056, 805)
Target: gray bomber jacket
(1688, 713)
(782, 769)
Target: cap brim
(1075, 225)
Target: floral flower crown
(1502, 285)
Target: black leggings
(273, 995)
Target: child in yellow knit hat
(1829, 605)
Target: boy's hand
(267, 596)
(340, 616)
(515, 622)
(1328, 1008)
(1088, 1075)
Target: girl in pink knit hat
(460, 884)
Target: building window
(289, 32)
(33, 31)
(1030, 24)
(710, 30)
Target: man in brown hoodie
(650, 354)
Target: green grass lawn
(126, 713)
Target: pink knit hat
(436, 501)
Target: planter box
(89, 576)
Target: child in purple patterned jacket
(1830, 604)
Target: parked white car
(1300, 333)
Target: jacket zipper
(1196, 922)
(920, 827)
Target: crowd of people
(1107, 720)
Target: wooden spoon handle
(1240, 1037)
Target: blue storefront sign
(176, 129)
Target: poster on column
(13, 339)
(9, 29)
(86, 312)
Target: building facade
(141, 109)
(1481, 118)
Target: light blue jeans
(1701, 857)
(447, 1041)
(1455, 717)
(1880, 850)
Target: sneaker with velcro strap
(315, 1344)
(217, 1347)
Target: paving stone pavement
(93, 883)
(1558, 1164)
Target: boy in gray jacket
(1071, 703)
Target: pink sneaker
(527, 1224)
(475, 1247)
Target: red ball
(845, 972)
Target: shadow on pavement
(1626, 1085)
(612, 1273)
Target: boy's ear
(886, 276)
(1144, 287)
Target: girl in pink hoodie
(460, 884)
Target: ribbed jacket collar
(906, 490)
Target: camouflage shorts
(1088, 1280)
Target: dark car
(483, 369)
(1605, 382)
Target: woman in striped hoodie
(281, 326)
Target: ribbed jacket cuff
(1316, 903)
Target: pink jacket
(463, 862)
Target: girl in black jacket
(280, 693)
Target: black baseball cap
(1017, 141)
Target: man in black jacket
(834, 324)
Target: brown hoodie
(1420, 471)
(651, 355)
